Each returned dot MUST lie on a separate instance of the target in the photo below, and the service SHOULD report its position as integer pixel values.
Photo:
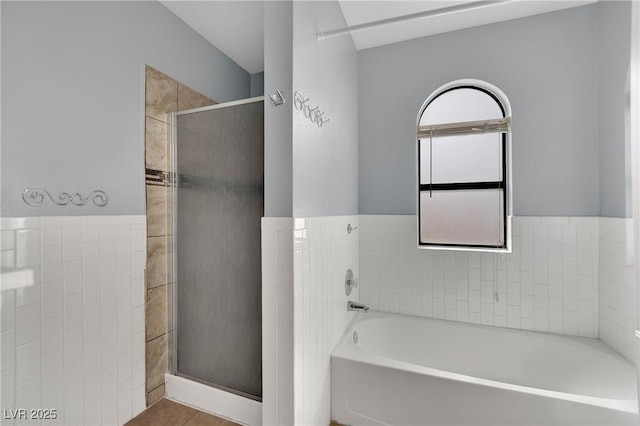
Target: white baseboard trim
(215, 401)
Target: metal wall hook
(277, 98)
(351, 228)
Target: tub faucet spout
(355, 306)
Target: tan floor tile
(204, 419)
(164, 413)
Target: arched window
(464, 168)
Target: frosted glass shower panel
(220, 201)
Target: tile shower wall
(304, 313)
(323, 251)
(618, 291)
(73, 339)
(548, 283)
(163, 94)
(277, 321)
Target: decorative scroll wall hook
(35, 196)
(313, 114)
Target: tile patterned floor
(169, 413)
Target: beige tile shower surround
(163, 95)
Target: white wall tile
(123, 253)
(29, 394)
(278, 327)
(552, 259)
(52, 370)
(52, 334)
(73, 311)
(28, 324)
(27, 247)
(137, 292)
(330, 251)
(72, 243)
(93, 412)
(303, 269)
(617, 295)
(31, 294)
(28, 359)
(74, 409)
(108, 271)
(91, 289)
(62, 333)
(8, 353)
(51, 263)
(7, 240)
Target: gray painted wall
(257, 84)
(278, 69)
(548, 67)
(614, 65)
(73, 96)
(325, 160)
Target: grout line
(189, 419)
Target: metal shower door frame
(172, 198)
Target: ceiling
(359, 12)
(236, 27)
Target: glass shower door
(218, 209)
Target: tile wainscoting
(323, 251)
(617, 288)
(73, 332)
(277, 321)
(566, 275)
(304, 262)
(548, 283)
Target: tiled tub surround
(163, 94)
(548, 283)
(277, 321)
(304, 313)
(617, 288)
(74, 340)
(323, 251)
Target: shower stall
(217, 206)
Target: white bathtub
(415, 371)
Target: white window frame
(502, 99)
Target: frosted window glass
(465, 158)
(460, 105)
(466, 217)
